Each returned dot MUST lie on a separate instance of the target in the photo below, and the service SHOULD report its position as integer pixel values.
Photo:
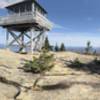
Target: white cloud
(57, 26)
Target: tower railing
(43, 21)
(26, 17)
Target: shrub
(40, 65)
(76, 63)
(96, 61)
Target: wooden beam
(39, 41)
(15, 38)
(32, 47)
(34, 38)
(19, 39)
(22, 47)
(7, 39)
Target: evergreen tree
(56, 48)
(62, 47)
(47, 44)
(88, 48)
(95, 52)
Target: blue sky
(75, 22)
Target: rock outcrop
(61, 83)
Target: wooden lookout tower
(26, 18)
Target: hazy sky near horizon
(75, 21)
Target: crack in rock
(15, 84)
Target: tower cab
(26, 12)
(25, 6)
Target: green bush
(41, 64)
(76, 63)
(96, 61)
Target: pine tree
(95, 52)
(88, 48)
(47, 44)
(56, 48)
(62, 47)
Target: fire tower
(26, 18)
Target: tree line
(87, 50)
(56, 48)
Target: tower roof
(13, 3)
(23, 1)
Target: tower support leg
(40, 40)
(37, 40)
(7, 40)
(32, 42)
(22, 47)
